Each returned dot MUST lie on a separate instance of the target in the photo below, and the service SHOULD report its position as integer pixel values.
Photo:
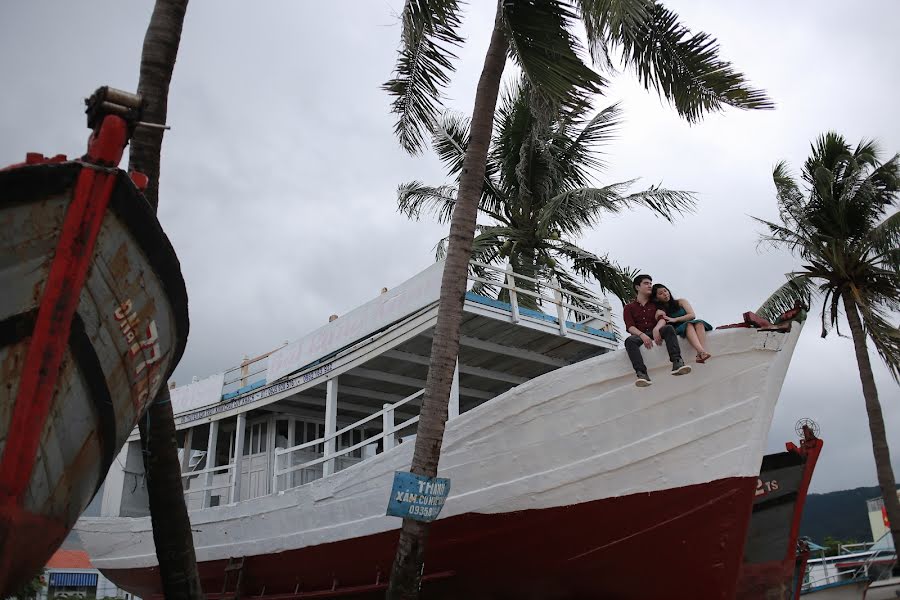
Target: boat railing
(331, 457)
(209, 485)
(584, 311)
(583, 314)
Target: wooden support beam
(413, 382)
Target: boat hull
(772, 568)
(567, 477)
(125, 333)
(585, 550)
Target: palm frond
(450, 141)
(573, 210)
(423, 67)
(611, 277)
(578, 155)
(414, 198)
(541, 41)
(884, 335)
(798, 288)
(683, 67)
(781, 236)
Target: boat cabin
(352, 388)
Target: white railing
(249, 371)
(209, 487)
(389, 429)
(508, 282)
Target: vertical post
(331, 392)
(387, 426)
(288, 461)
(186, 455)
(245, 370)
(453, 407)
(210, 460)
(270, 452)
(186, 460)
(560, 311)
(513, 297)
(238, 457)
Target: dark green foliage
(539, 195)
(840, 515)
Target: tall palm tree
(168, 513)
(843, 226)
(539, 196)
(538, 36)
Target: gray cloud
(279, 175)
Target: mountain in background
(841, 515)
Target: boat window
(281, 433)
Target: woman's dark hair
(670, 306)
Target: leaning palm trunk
(171, 526)
(407, 569)
(876, 420)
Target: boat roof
(381, 349)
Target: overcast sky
(279, 175)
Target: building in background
(70, 574)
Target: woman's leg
(692, 337)
(701, 333)
(696, 334)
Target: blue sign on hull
(417, 497)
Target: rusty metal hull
(126, 336)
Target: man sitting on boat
(640, 319)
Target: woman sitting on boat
(680, 315)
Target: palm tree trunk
(168, 513)
(171, 525)
(157, 63)
(876, 421)
(409, 562)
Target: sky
(279, 175)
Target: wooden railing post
(453, 407)
(210, 460)
(331, 392)
(560, 311)
(236, 467)
(387, 427)
(513, 297)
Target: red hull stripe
(601, 549)
(60, 299)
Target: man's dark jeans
(633, 346)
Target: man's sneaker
(643, 380)
(679, 368)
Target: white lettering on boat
(148, 349)
(271, 390)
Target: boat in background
(93, 319)
(562, 470)
(774, 565)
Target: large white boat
(563, 473)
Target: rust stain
(119, 265)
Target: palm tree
(538, 36)
(842, 226)
(171, 525)
(538, 194)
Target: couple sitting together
(656, 315)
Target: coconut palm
(843, 226)
(171, 525)
(538, 35)
(539, 197)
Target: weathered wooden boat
(93, 318)
(563, 473)
(773, 566)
